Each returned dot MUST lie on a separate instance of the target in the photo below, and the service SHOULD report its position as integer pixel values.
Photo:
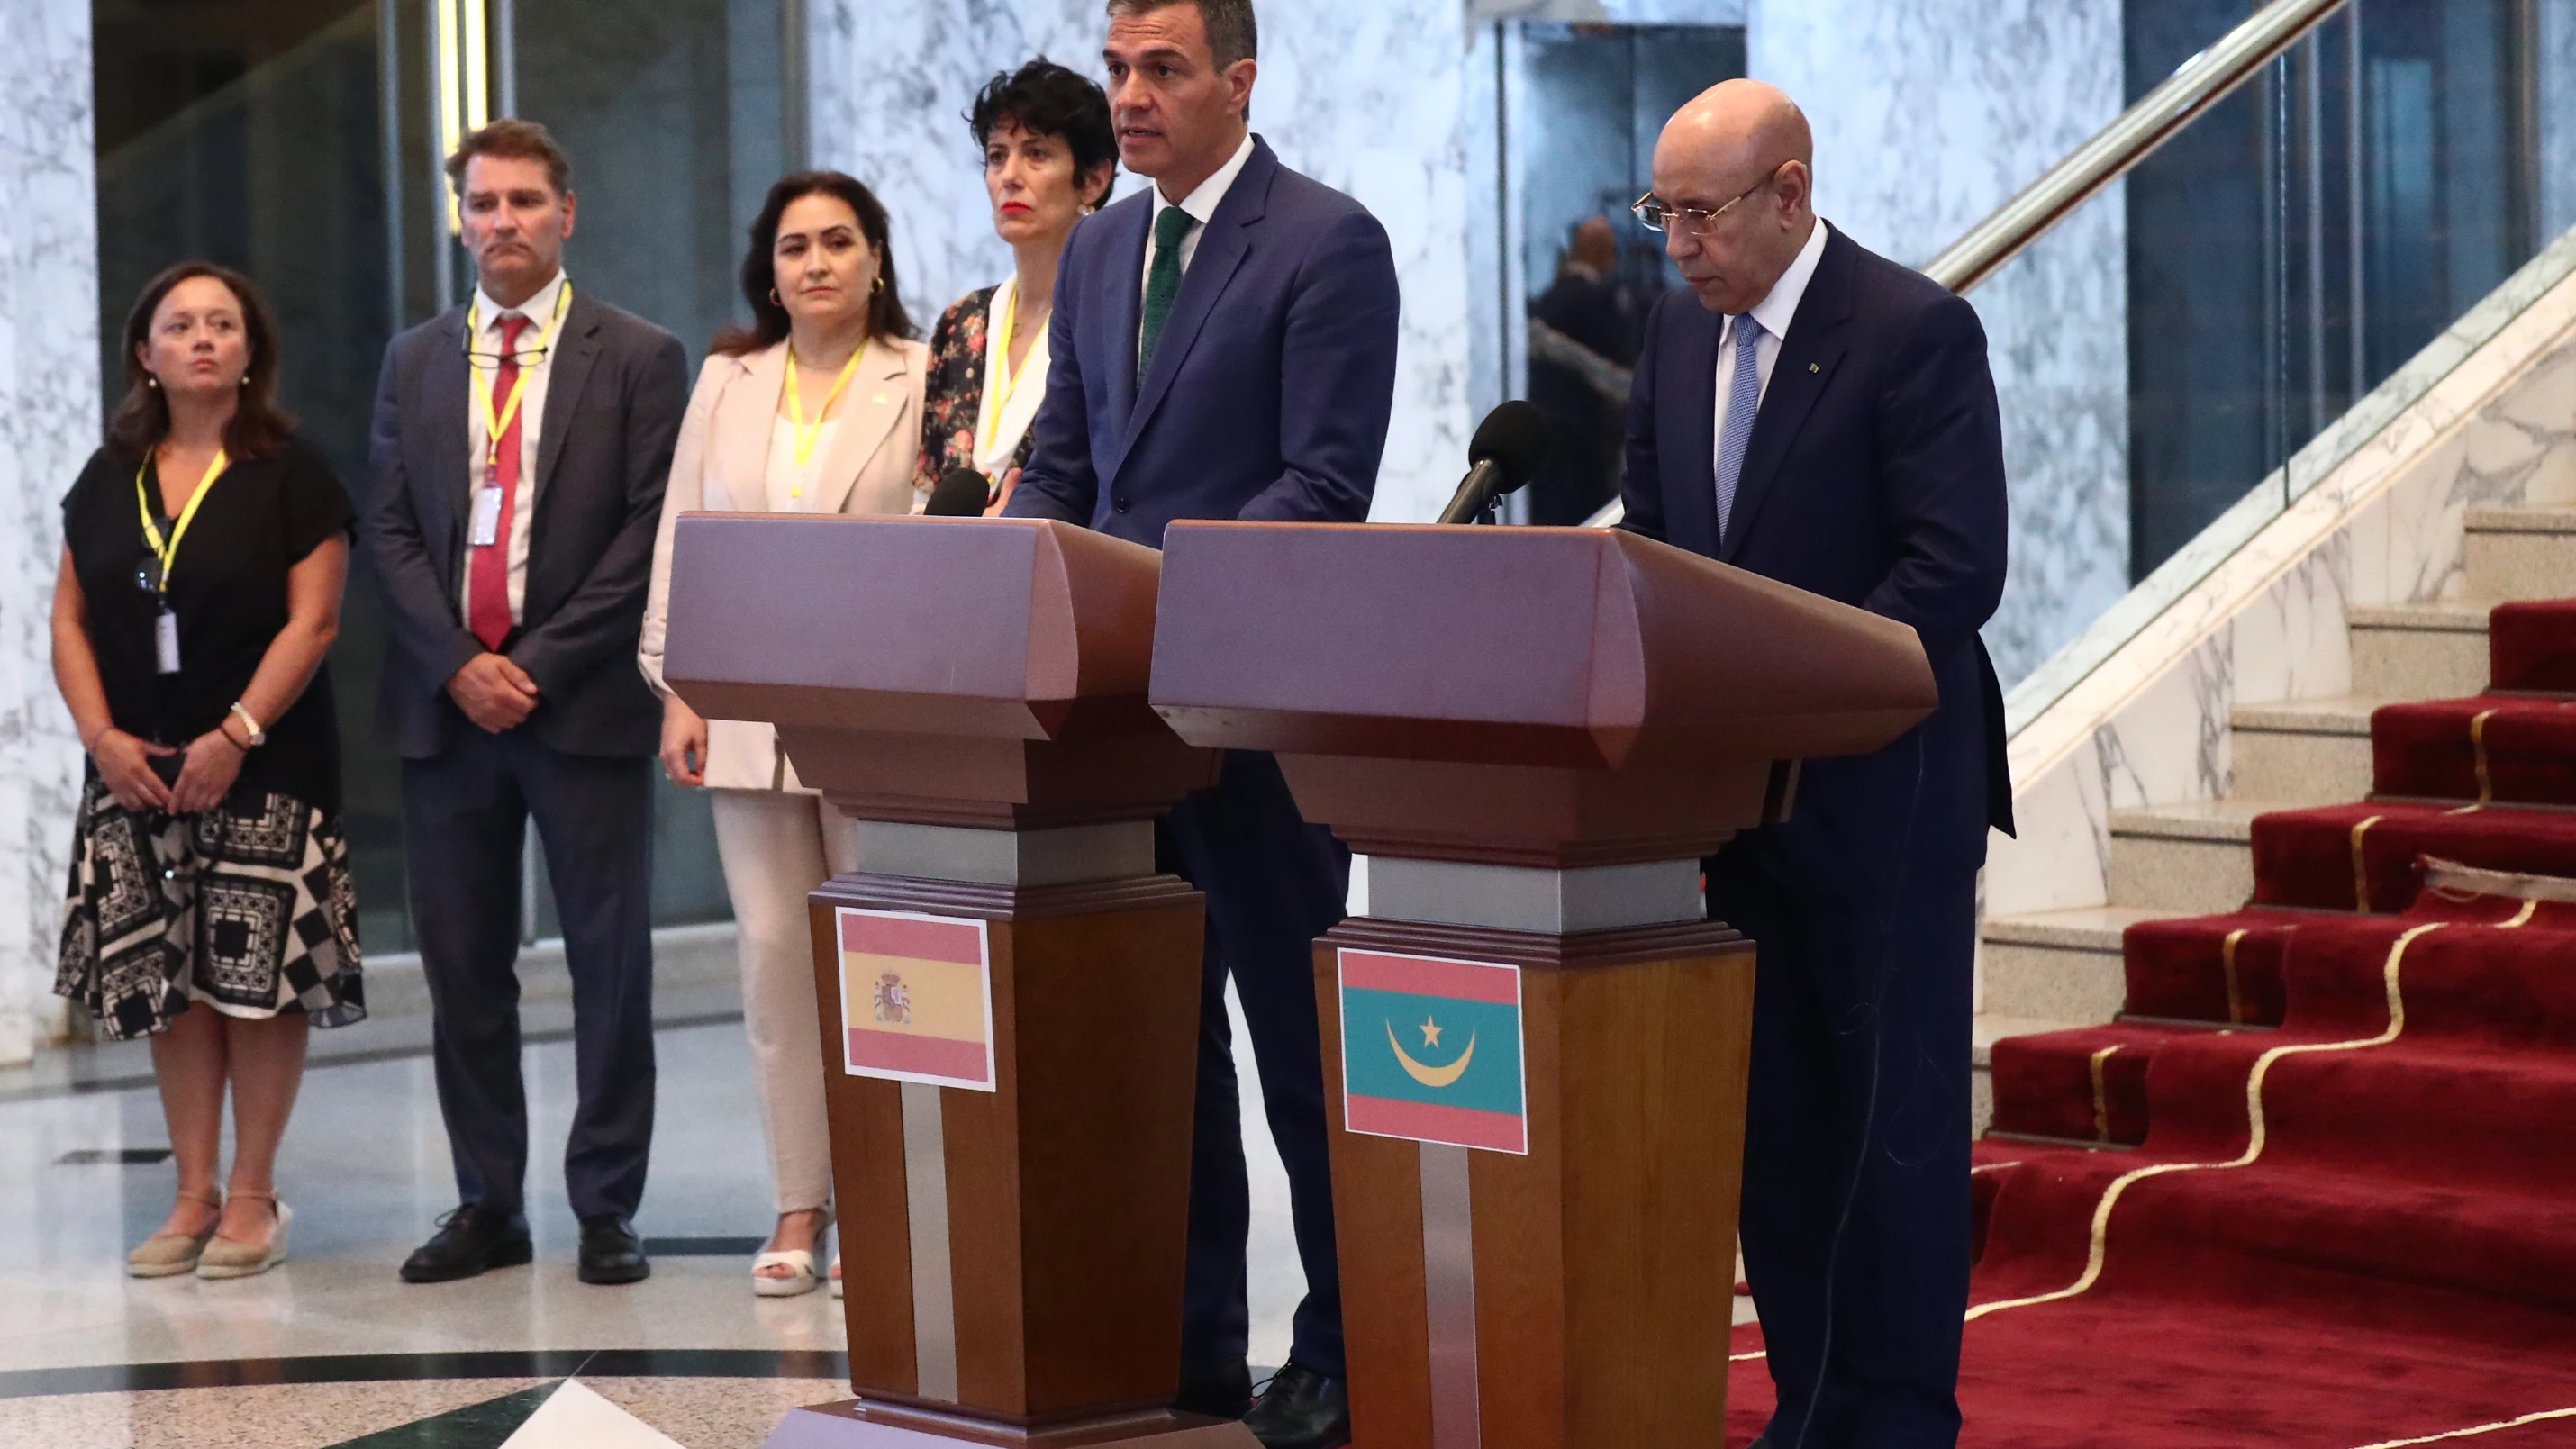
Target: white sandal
(800, 1279)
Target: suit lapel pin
(1811, 367)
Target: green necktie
(1162, 282)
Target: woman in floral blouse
(1050, 155)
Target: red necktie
(488, 613)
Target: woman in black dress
(204, 553)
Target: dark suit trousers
(1862, 1000)
(1273, 883)
(465, 812)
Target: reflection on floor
(366, 1167)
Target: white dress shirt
(1027, 387)
(542, 331)
(1775, 312)
(1201, 205)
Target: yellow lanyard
(168, 551)
(497, 418)
(806, 434)
(1010, 380)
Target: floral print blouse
(955, 391)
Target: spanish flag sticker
(1431, 1050)
(916, 998)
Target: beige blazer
(721, 465)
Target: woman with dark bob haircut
(204, 549)
(814, 408)
(1050, 155)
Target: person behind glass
(204, 551)
(813, 408)
(1049, 158)
(520, 444)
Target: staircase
(2058, 969)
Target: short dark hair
(769, 323)
(516, 140)
(1231, 31)
(1047, 99)
(259, 427)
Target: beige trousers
(776, 848)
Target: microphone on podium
(1508, 447)
(962, 493)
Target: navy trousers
(1856, 1203)
(1273, 884)
(465, 812)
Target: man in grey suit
(520, 445)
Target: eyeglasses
(1654, 215)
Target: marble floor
(324, 1350)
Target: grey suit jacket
(613, 405)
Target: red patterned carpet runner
(2317, 1188)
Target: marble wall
(48, 424)
(1929, 115)
(1364, 95)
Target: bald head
(1740, 149)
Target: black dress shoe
(471, 1240)
(611, 1253)
(1221, 1390)
(1302, 1410)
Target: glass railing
(2290, 232)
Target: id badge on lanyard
(165, 641)
(487, 510)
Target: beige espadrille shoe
(168, 1255)
(224, 1258)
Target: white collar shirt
(1774, 312)
(543, 332)
(1201, 204)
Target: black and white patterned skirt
(248, 910)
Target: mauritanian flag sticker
(916, 998)
(1431, 1050)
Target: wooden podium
(1009, 991)
(1535, 1047)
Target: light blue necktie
(1743, 400)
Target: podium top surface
(1565, 647)
(993, 627)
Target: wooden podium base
(866, 1424)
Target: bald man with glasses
(1817, 414)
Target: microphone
(962, 493)
(1508, 447)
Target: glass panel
(1590, 101)
(2300, 242)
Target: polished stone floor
(365, 1166)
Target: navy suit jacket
(613, 407)
(1270, 390)
(1875, 476)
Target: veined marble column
(1363, 95)
(49, 422)
(1928, 116)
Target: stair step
(2419, 651)
(2185, 860)
(1983, 1032)
(2313, 752)
(2058, 965)
(2521, 553)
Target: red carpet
(2317, 1189)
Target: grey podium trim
(1515, 898)
(1075, 853)
(1449, 1297)
(934, 1285)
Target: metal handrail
(2198, 84)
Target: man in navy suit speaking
(1224, 347)
(1817, 414)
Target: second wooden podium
(1009, 990)
(1535, 1046)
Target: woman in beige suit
(814, 408)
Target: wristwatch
(258, 736)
